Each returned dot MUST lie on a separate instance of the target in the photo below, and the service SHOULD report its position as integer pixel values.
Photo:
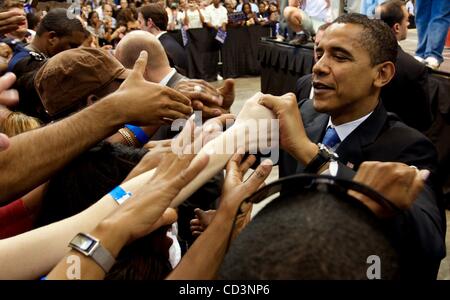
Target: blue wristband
(119, 194)
(140, 135)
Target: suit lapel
(315, 131)
(351, 150)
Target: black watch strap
(324, 155)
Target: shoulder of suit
(407, 63)
(305, 79)
(403, 131)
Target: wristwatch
(324, 156)
(91, 247)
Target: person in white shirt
(305, 17)
(175, 15)
(216, 15)
(317, 9)
(193, 16)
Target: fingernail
(217, 112)
(425, 174)
(9, 75)
(267, 162)
(240, 150)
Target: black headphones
(309, 182)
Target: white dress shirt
(216, 16)
(166, 79)
(345, 129)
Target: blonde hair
(17, 123)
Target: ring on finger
(198, 89)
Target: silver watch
(91, 247)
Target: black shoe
(299, 39)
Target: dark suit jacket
(407, 94)
(420, 231)
(303, 87)
(175, 52)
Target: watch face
(83, 242)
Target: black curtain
(203, 54)
(282, 65)
(240, 51)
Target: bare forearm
(90, 270)
(226, 144)
(33, 254)
(36, 155)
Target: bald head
(129, 48)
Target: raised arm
(203, 259)
(32, 254)
(36, 155)
(137, 216)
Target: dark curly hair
(376, 37)
(56, 20)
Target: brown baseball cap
(66, 80)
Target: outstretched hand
(11, 20)
(211, 101)
(148, 103)
(293, 138)
(201, 221)
(397, 182)
(136, 217)
(235, 189)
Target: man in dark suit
(153, 18)
(407, 94)
(355, 60)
